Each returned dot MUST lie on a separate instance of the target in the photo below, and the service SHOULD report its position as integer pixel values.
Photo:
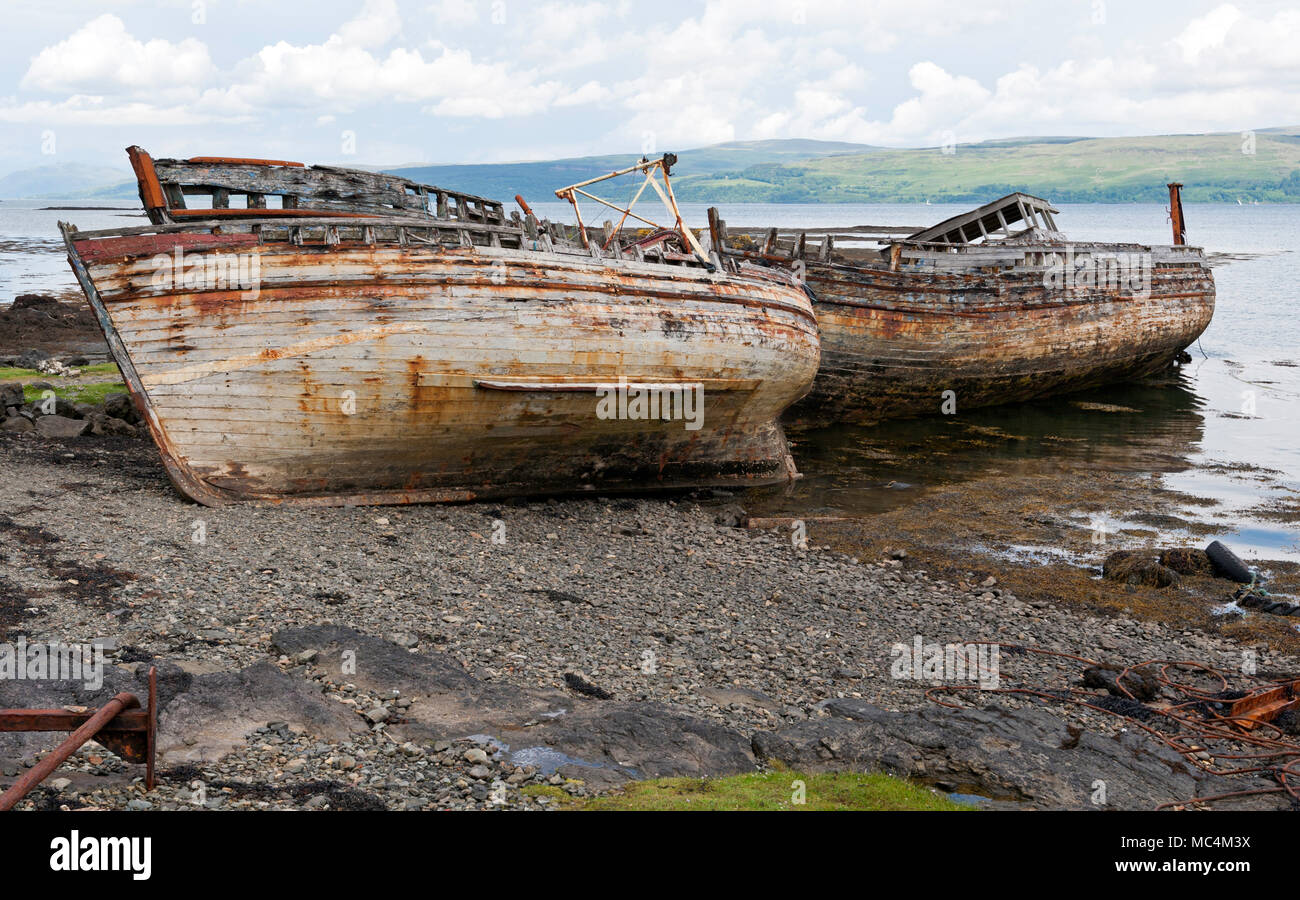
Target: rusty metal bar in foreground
(120, 725)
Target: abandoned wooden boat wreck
(991, 306)
(326, 336)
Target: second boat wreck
(991, 306)
(328, 336)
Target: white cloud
(1211, 30)
(102, 57)
(723, 70)
(376, 24)
(455, 13)
(81, 109)
(591, 92)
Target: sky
(388, 82)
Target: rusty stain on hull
(990, 322)
(882, 357)
(381, 373)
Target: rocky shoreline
(488, 655)
(612, 638)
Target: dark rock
(76, 361)
(61, 427)
(66, 408)
(609, 741)
(30, 359)
(1029, 755)
(1186, 561)
(219, 711)
(119, 406)
(102, 424)
(585, 687)
(11, 394)
(1140, 683)
(732, 515)
(16, 425)
(35, 301)
(1135, 567)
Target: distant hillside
(1213, 168)
(1064, 169)
(537, 181)
(61, 180)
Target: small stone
(475, 755)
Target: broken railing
(653, 170)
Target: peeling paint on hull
(894, 341)
(392, 374)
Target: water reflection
(1155, 425)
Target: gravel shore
(646, 599)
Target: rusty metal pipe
(56, 757)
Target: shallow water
(1226, 427)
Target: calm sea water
(1227, 427)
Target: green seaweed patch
(764, 791)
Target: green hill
(537, 181)
(1213, 167)
(1064, 169)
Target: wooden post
(1176, 213)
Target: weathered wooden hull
(893, 342)
(388, 374)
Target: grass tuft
(761, 791)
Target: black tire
(1227, 564)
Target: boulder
(1139, 682)
(61, 427)
(31, 359)
(11, 394)
(16, 425)
(119, 406)
(101, 424)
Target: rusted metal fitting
(121, 725)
